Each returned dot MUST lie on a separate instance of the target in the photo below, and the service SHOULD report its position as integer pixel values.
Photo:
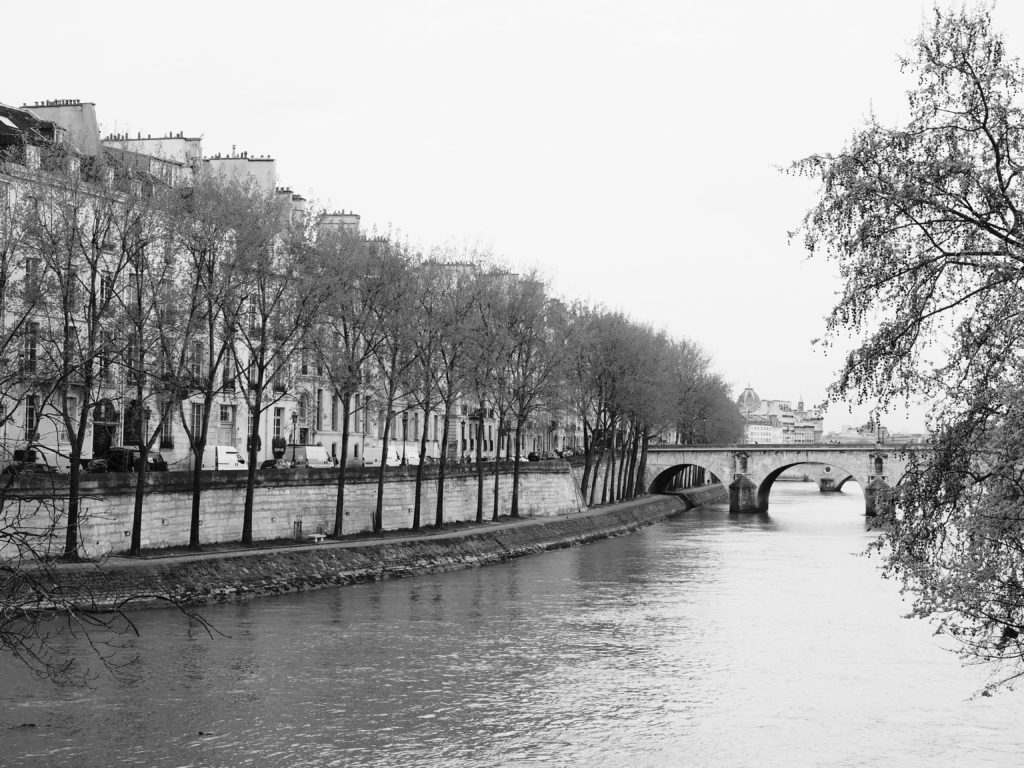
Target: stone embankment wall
(284, 501)
(195, 580)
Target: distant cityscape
(776, 422)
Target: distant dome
(748, 400)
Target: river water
(709, 640)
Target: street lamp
(705, 438)
(295, 422)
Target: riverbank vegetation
(925, 222)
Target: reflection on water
(713, 639)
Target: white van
(308, 456)
(223, 457)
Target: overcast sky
(631, 151)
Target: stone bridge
(749, 471)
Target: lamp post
(295, 422)
(704, 439)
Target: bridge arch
(764, 489)
(667, 479)
(845, 480)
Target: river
(708, 640)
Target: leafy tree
(924, 221)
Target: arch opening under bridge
(682, 476)
(832, 480)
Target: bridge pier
(743, 495)
(828, 484)
(876, 497)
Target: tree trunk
(515, 470)
(140, 480)
(140, 485)
(632, 465)
(587, 460)
(250, 483)
(641, 470)
(198, 446)
(497, 468)
(439, 514)
(620, 485)
(339, 505)
(74, 481)
(378, 514)
(604, 486)
(480, 466)
(595, 477)
(418, 499)
(609, 445)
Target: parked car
(533, 456)
(126, 459)
(223, 457)
(276, 464)
(308, 456)
(20, 468)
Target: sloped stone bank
(200, 579)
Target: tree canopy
(924, 222)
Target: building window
(166, 424)
(31, 351)
(195, 360)
(278, 419)
(106, 353)
(132, 297)
(32, 278)
(31, 416)
(319, 410)
(229, 371)
(334, 413)
(106, 287)
(131, 355)
(71, 411)
(196, 420)
(226, 413)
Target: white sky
(629, 150)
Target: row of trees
(166, 300)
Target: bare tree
(196, 347)
(457, 275)
(283, 288)
(348, 336)
(395, 354)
